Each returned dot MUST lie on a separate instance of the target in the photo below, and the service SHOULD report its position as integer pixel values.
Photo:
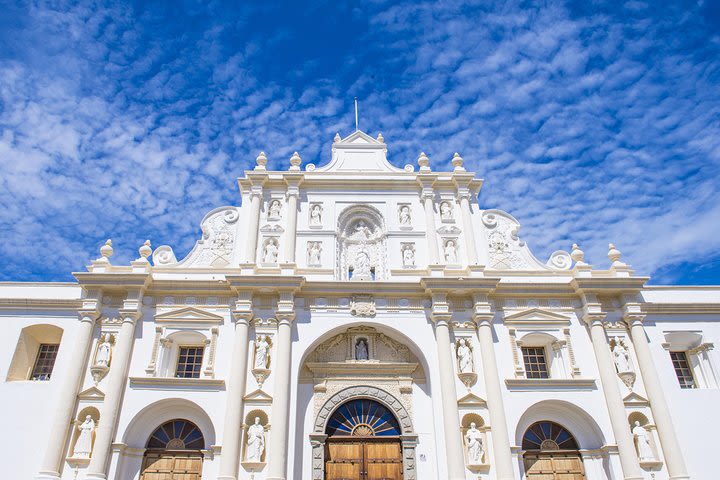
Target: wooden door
(172, 466)
(553, 466)
(363, 460)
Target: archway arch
(583, 427)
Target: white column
(65, 401)
(430, 234)
(613, 399)
(291, 230)
(278, 445)
(450, 413)
(253, 226)
(232, 430)
(468, 229)
(661, 413)
(496, 407)
(113, 397)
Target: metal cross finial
(356, 115)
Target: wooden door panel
(553, 466)
(383, 461)
(171, 466)
(344, 461)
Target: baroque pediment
(258, 397)
(359, 152)
(471, 400)
(92, 394)
(634, 399)
(189, 315)
(381, 348)
(536, 315)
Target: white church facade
(359, 321)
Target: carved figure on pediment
(642, 442)
(102, 358)
(270, 254)
(474, 445)
(255, 441)
(261, 352)
(451, 252)
(361, 349)
(405, 219)
(622, 357)
(83, 445)
(464, 354)
(274, 209)
(446, 211)
(316, 215)
(314, 250)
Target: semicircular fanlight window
(362, 417)
(177, 435)
(548, 436)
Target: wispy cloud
(590, 123)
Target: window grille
(535, 362)
(45, 361)
(189, 362)
(682, 369)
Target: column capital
(463, 193)
(242, 316)
(90, 316)
(130, 316)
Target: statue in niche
(451, 253)
(102, 359)
(274, 210)
(361, 350)
(474, 445)
(642, 442)
(408, 256)
(622, 357)
(361, 268)
(446, 212)
(271, 251)
(316, 215)
(261, 352)
(83, 446)
(464, 354)
(362, 229)
(405, 216)
(314, 253)
(255, 441)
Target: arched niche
(263, 420)
(361, 244)
(28, 346)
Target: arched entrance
(551, 453)
(363, 443)
(173, 452)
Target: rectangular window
(189, 362)
(682, 369)
(535, 362)
(45, 361)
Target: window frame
(538, 351)
(38, 372)
(196, 371)
(683, 373)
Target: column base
(48, 476)
(95, 476)
(226, 477)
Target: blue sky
(591, 122)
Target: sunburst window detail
(177, 435)
(363, 417)
(548, 436)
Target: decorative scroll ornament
(164, 255)
(362, 306)
(560, 260)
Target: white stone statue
(316, 215)
(446, 212)
(408, 257)
(261, 352)
(274, 210)
(83, 446)
(102, 358)
(451, 253)
(642, 442)
(271, 252)
(464, 354)
(361, 350)
(255, 441)
(314, 253)
(474, 445)
(622, 357)
(405, 216)
(361, 268)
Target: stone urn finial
(337, 138)
(380, 138)
(578, 255)
(424, 162)
(295, 161)
(614, 256)
(145, 251)
(106, 251)
(261, 161)
(457, 162)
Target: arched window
(548, 436)
(177, 435)
(362, 417)
(35, 353)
